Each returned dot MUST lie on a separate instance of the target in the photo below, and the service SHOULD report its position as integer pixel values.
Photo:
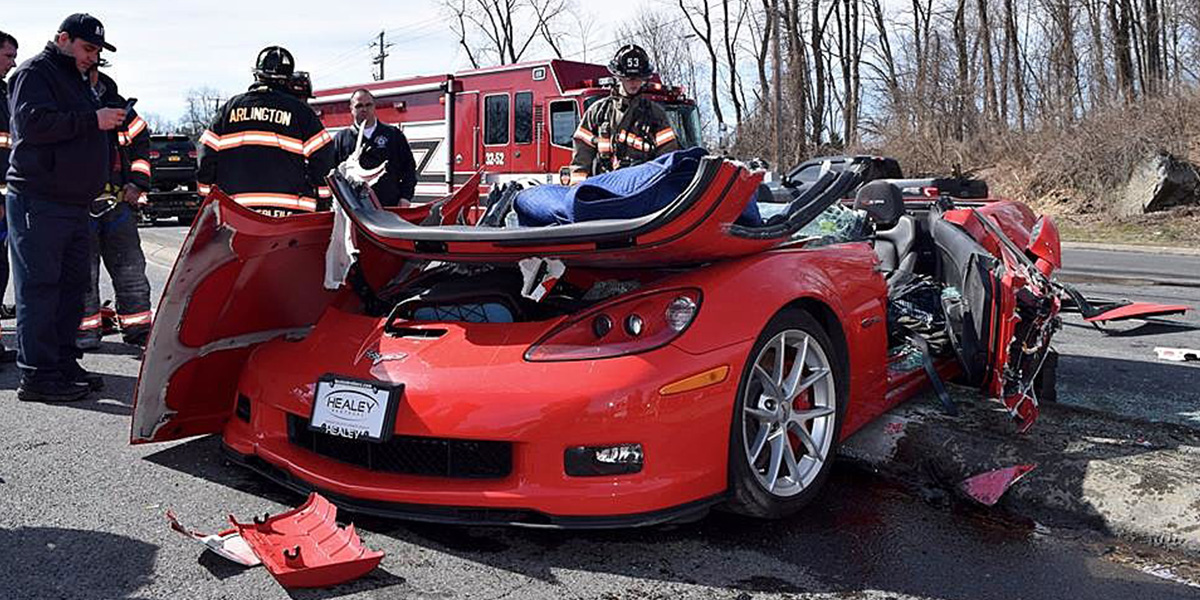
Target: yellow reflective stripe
(5, 141)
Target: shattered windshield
(837, 224)
(685, 120)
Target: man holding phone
(60, 162)
(113, 225)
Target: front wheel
(787, 417)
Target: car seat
(895, 231)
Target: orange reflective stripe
(211, 140)
(324, 192)
(141, 166)
(253, 138)
(135, 127)
(134, 319)
(316, 142)
(5, 140)
(585, 136)
(632, 141)
(91, 322)
(204, 189)
(665, 136)
(289, 201)
(604, 145)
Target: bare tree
(732, 27)
(203, 105)
(502, 31)
(702, 16)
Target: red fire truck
(513, 122)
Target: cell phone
(129, 104)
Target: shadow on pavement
(51, 562)
(115, 399)
(1123, 329)
(1150, 390)
(859, 534)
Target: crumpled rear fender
(241, 279)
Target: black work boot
(76, 374)
(50, 391)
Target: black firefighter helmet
(631, 61)
(274, 63)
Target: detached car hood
(240, 279)
(698, 226)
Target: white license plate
(359, 410)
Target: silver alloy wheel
(789, 411)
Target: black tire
(748, 493)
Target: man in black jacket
(8, 60)
(380, 142)
(267, 149)
(60, 162)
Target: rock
(1157, 184)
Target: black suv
(172, 163)
(172, 179)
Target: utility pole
(379, 58)
(777, 100)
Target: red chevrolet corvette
(614, 372)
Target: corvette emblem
(376, 357)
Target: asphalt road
(81, 516)
(1115, 368)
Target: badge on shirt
(381, 141)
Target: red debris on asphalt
(305, 548)
(986, 488)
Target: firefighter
(113, 227)
(382, 142)
(625, 128)
(267, 149)
(8, 60)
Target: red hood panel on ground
(241, 279)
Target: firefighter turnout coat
(619, 131)
(268, 151)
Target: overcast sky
(165, 48)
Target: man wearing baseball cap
(60, 162)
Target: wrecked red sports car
(615, 372)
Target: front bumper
(475, 515)
(476, 388)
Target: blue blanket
(622, 194)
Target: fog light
(592, 461)
(634, 325)
(602, 325)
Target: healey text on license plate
(350, 408)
